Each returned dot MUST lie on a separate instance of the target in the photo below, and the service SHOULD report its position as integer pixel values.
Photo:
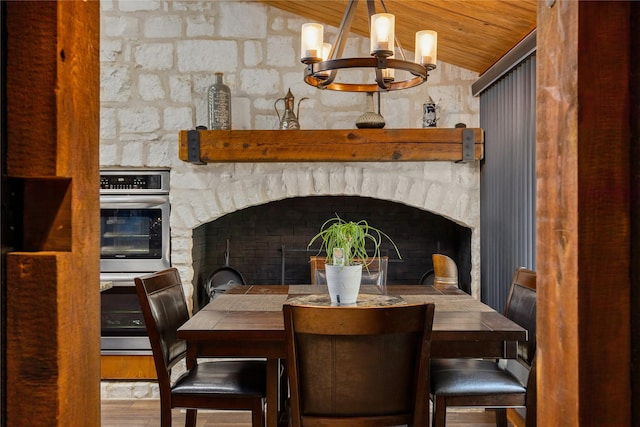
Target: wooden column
(52, 268)
(583, 213)
(635, 213)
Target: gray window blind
(508, 180)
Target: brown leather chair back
(501, 384)
(219, 384)
(521, 308)
(357, 366)
(164, 309)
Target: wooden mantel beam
(341, 145)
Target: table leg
(283, 395)
(192, 356)
(273, 370)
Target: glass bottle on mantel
(219, 100)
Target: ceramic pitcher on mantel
(289, 119)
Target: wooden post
(52, 269)
(635, 213)
(583, 213)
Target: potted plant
(346, 243)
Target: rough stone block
(139, 5)
(121, 26)
(141, 119)
(243, 19)
(115, 83)
(207, 55)
(162, 27)
(175, 119)
(150, 87)
(154, 56)
(200, 26)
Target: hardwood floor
(146, 413)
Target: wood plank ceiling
(472, 34)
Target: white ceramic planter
(343, 283)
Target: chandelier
(324, 60)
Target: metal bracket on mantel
(468, 146)
(193, 146)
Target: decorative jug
(429, 117)
(289, 119)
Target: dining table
(247, 321)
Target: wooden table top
(248, 319)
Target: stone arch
(200, 194)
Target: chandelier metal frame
(322, 74)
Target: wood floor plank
(146, 413)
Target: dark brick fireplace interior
(268, 243)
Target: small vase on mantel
(371, 119)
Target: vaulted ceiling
(472, 34)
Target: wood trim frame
(52, 319)
(634, 81)
(129, 367)
(583, 213)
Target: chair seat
(456, 377)
(238, 377)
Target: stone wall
(158, 59)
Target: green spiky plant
(352, 238)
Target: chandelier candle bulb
(326, 50)
(389, 74)
(382, 34)
(426, 47)
(312, 40)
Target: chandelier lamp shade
(323, 60)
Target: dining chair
(501, 384)
(427, 278)
(445, 270)
(374, 274)
(220, 384)
(358, 366)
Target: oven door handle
(133, 201)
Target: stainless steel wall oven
(134, 240)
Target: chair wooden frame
(359, 366)
(221, 384)
(521, 370)
(377, 264)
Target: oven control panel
(134, 181)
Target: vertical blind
(508, 180)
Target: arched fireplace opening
(268, 242)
